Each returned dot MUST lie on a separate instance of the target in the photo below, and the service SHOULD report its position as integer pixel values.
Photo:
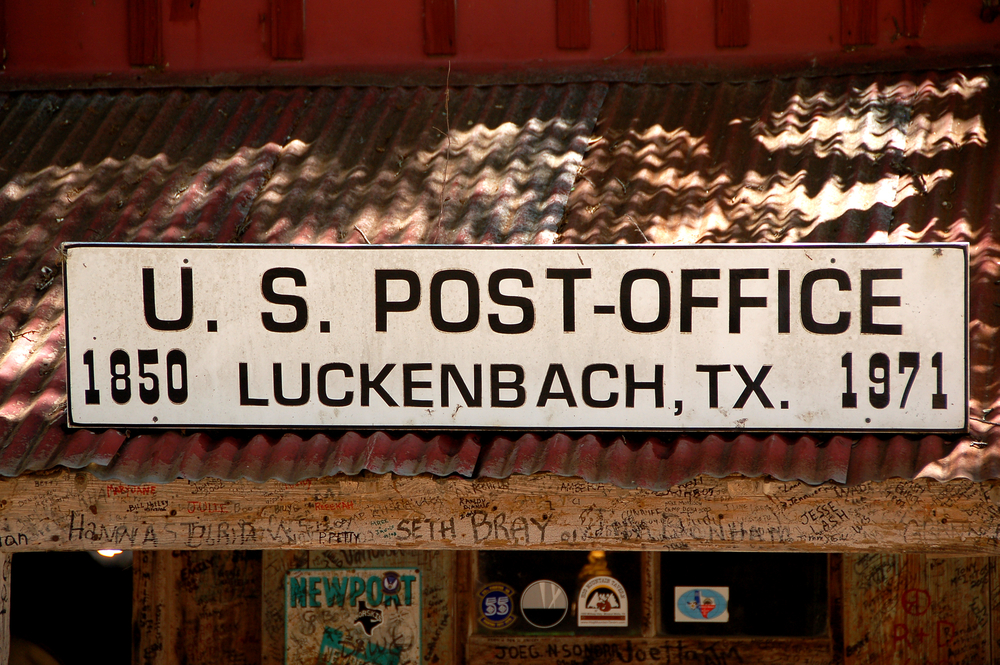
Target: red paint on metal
(732, 23)
(79, 43)
(858, 22)
(573, 24)
(287, 29)
(184, 10)
(913, 17)
(145, 33)
(647, 25)
(440, 27)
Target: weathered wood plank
(75, 510)
(672, 651)
(909, 608)
(197, 607)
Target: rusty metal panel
(900, 158)
(842, 159)
(258, 165)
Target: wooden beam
(913, 17)
(802, 651)
(858, 22)
(440, 20)
(732, 23)
(145, 33)
(65, 510)
(573, 24)
(288, 36)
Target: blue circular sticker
(496, 607)
(702, 604)
(390, 583)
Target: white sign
(790, 337)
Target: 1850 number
(148, 381)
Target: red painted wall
(85, 42)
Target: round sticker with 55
(496, 606)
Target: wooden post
(858, 20)
(145, 33)
(288, 36)
(573, 24)
(917, 608)
(647, 25)
(200, 606)
(440, 18)
(5, 558)
(913, 17)
(732, 23)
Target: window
(786, 598)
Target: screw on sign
(916, 602)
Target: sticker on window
(602, 602)
(544, 604)
(701, 604)
(496, 607)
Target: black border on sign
(64, 247)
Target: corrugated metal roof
(849, 159)
(900, 158)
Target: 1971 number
(878, 374)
